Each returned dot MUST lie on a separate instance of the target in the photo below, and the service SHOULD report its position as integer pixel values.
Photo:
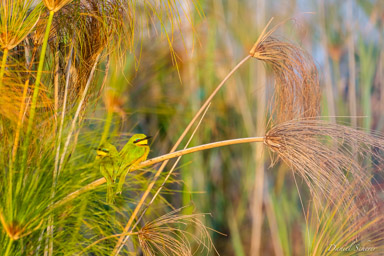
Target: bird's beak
(144, 139)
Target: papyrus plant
(332, 228)
(323, 155)
(17, 21)
(52, 56)
(297, 91)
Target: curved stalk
(168, 174)
(198, 148)
(119, 243)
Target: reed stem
(156, 160)
(63, 112)
(56, 86)
(121, 240)
(20, 120)
(32, 111)
(107, 126)
(3, 62)
(77, 114)
(9, 246)
(15, 146)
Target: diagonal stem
(63, 112)
(35, 96)
(9, 246)
(80, 106)
(119, 244)
(168, 175)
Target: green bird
(134, 152)
(109, 160)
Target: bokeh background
(155, 63)
(159, 88)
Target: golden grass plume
(17, 21)
(55, 5)
(297, 90)
(336, 228)
(169, 235)
(323, 155)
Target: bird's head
(139, 140)
(104, 150)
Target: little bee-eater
(109, 160)
(134, 152)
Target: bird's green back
(132, 153)
(109, 160)
(135, 151)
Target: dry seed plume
(333, 226)
(17, 20)
(100, 24)
(297, 91)
(322, 154)
(55, 5)
(168, 235)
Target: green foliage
(52, 78)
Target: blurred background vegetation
(174, 66)
(346, 40)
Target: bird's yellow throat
(101, 153)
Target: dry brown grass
(171, 234)
(321, 153)
(335, 227)
(297, 90)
